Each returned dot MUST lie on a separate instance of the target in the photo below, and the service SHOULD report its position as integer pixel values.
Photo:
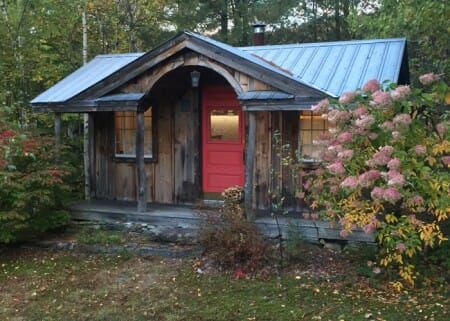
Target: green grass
(89, 236)
(39, 285)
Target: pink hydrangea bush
(385, 167)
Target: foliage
(32, 187)
(385, 168)
(233, 242)
(425, 24)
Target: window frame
(305, 158)
(130, 158)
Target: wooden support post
(140, 162)
(58, 135)
(91, 156)
(250, 148)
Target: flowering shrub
(385, 168)
(31, 186)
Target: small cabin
(184, 121)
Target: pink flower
(391, 195)
(347, 98)
(400, 247)
(321, 107)
(345, 137)
(343, 233)
(377, 193)
(381, 157)
(400, 92)
(358, 112)
(365, 121)
(368, 178)
(369, 228)
(387, 125)
(414, 220)
(345, 154)
(395, 178)
(350, 182)
(420, 150)
(7, 134)
(371, 86)
(394, 163)
(402, 120)
(446, 160)
(376, 270)
(336, 168)
(335, 148)
(372, 136)
(416, 200)
(338, 116)
(441, 128)
(428, 79)
(380, 98)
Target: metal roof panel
(96, 70)
(337, 67)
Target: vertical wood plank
(261, 181)
(140, 162)
(91, 155)
(58, 136)
(250, 147)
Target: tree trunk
(337, 20)
(87, 163)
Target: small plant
(294, 244)
(231, 241)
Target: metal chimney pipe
(258, 34)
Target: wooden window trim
(127, 158)
(309, 161)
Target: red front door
(222, 139)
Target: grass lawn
(40, 285)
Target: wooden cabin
(193, 116)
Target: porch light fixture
(195, 78)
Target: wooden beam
(91, 156)
(250, 148)
(58, 135)
(140, 162)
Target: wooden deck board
(186, 217)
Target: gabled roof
(318, 69)
(96, 70)
(337, 67)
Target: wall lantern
(195, 78)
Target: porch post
(58, 136)
(250, 147)
(140, 163)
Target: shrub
(32, 188)
(385, 168)
(231, 241)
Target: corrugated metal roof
(96, 70)
(121, 97)
(265, 95)
(337, 67)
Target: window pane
(125, 133)
(224, 125)
(311, 128)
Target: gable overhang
(87, 99)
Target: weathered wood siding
(268, 172)
(172, 177)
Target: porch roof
(115, 102)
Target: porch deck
(187, 219)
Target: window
(312, 126)
(125, 134)
(224, 125)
